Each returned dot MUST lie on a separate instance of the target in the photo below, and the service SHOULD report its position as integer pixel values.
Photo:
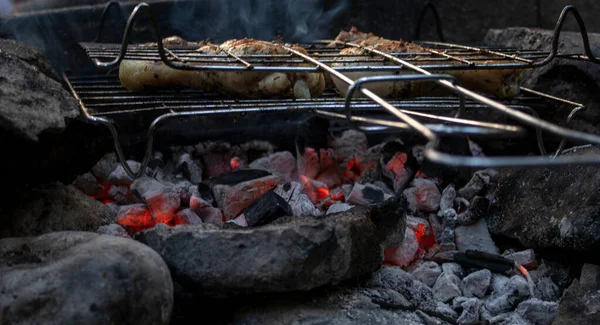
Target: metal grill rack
(408, 114)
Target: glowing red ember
(235, 163)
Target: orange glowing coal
(234, 163)
(322, 193)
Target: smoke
(219, 20)
(5, 6)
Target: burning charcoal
(436, 224)
(498, 282)
(120, 177)
(113, 230)
(188, 167)
(387, 298)
(218, 158)
(477, 183)
(135, 217)
(162, 200)
(477, 210)
(476, 284)
(525, 258)
(188, 217)
(470, 313)
(402, 256)
(422, 230)
(367, 194)
(515, 291)
(316, 191)
(350, 144)
(398, 171)
(121, 194)
(389, 219)
(105, 167)
(423, 195)
(210, 214)
(462, 203)
(338, 207)
(321, 166)
(417, 293)
(384, 187)
(282, 164)
(475, 237)
(235, 191)
(266, 209)
(427, 272)
(88, 184)
(453, 268)
(300, 204)
(114, 208)
(546, 289)
(446, 287)
(537, 311)
(448, 196)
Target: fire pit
(373, 207)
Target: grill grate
(103, 98)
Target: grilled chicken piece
(140, 75)
(351, 36)
(502, 83)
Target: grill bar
(98, 104)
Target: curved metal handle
(108, 6)
(557, 30)
(357, 84)
(438, 22)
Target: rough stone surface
(53, 207)
(114, 230)
(38, 119)
(447, 287)
(290, 254)
(476, 284)
(427, 272)
(338, 306)
(579, 304)
(82, 278)
(549, 207)
(476, 237)
(537, 311)
(515, 291)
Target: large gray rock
(290, 254)
(579, 303)
(82, 278)
(548, 208)
(38, 119)
(54, 207)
